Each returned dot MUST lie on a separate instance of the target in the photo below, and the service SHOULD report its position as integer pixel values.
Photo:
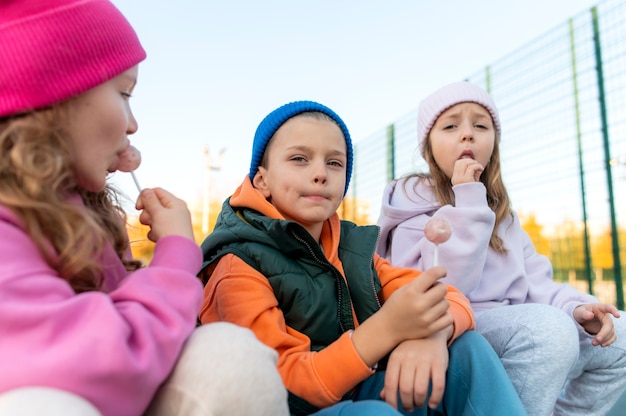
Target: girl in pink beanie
(563, 349)
(85, 329)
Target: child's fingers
(164, 197)
(476, 171)
(442, 322)
(582, 314)
(613, 310)
(438, 311)
(147, 200)
(434, 298)
(438, 389)
(606, 334)
(145, 218)
(148, 203)
(169, 200)
(611, 338)
(428, 278)
(390, 387)
(139, 203)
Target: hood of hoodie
(400, 203)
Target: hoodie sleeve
(543, 289)
(464, 254)
(321, 378)
(115, 348)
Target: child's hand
(164, 213)
(412, 366)
(419, 309)
(416, 310)
(466, 170)
(596, 319)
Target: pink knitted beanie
(52, 50)
(442, 99)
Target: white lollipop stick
(132, 173)
(437, 231)
(128, 161)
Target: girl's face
(305, 172)
(100, 121)
(463, 131)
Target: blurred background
(555, 69)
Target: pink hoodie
(115, 348)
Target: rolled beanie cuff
(278, 117)
(442, 99)
(60, 52)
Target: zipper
(338, 275)
(372, 285)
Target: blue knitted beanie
(278, 117)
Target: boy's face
(305, 173)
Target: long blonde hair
(497, 196)
(37, 182)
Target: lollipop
(437, 231)
(128, 161)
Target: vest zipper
(338, 276)
(372, 285)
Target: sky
(216, 68)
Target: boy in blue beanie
(354, 334)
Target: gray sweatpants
(553, 371)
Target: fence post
(581, 170)
(391, 153)
(617, 266)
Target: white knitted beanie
(442, 99)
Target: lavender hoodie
(115, 348)
(488, 279)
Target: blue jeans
(476, 385)
(359, 408)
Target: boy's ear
(260, 181)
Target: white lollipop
(437, 231)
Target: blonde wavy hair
(497, 196)
(36, 182)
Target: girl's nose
(132, 124)
(466, 132)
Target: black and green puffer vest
(311, 292)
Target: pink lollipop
(128, 161)
(437, 231)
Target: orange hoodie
(239, 294)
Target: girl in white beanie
(563, 349)
(85, 329)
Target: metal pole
(617, 266)
(391, 153)
(581, 170)
(206, 200)
(205, 196)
